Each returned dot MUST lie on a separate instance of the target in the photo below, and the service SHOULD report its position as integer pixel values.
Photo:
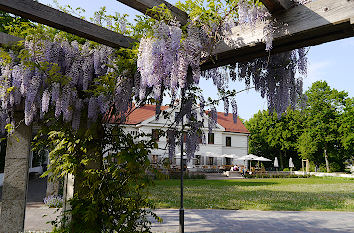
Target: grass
(320, 194)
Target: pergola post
(16, 177)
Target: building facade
(223, 146)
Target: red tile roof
(228, 123)
(143, 113)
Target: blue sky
(332, 62)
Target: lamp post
(181, 210)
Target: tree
(284, 133)
(346, 129)
(258, 126)
(275, 137)
(321, 135)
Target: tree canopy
(321, 131)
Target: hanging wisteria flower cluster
(165, 58)
(57, 76)
(275, 78)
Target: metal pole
(181, 210)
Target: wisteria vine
(60, 77)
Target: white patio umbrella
(232, 156)
(262, 159)
(215, 155)
(248, 157)
(291, 164)
(276, 164)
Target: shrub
(186, 176)
(275, 176)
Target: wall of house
(238, 142)
(239, 145)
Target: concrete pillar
(52, 187)
(69, 182)
(16, 177)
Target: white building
(227, 142)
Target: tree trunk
(326, 159)
(281, 160)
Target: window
(210, 138)
(228, 141)
(155, 158)
(155, 135)
(197, 160)
(210, 161)
(228, 161)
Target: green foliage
(8, 21)
(275, 137)
(325, 124)
(279, 175)
(186, 176)
(346, 129)
(109, 190)
(325, 115)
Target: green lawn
(258, 194)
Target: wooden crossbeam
(6, 39)
(144, 5)
(315, 23)
(275, 6)
(43, 14)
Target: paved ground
(224, 220)
(256, 221)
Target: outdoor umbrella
(291, 164)
(262, 159)
(276, 164)
(249, 157)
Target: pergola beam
(6, 39)
(144, 5)
(43, 14)
(315, 23)
(275, 6)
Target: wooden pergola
(298, 26)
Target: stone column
(52, 187)
(16, 177)
(67, 195)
